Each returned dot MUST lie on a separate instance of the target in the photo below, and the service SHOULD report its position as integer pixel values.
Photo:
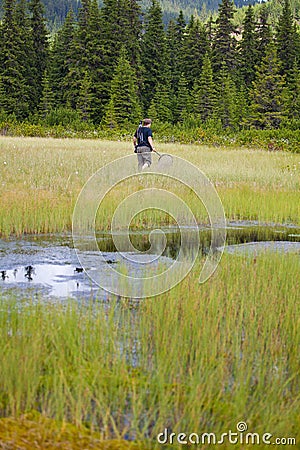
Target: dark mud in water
(48, 267)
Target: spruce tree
(268, 95)
(248, 48)
(171, 51)
(2, 97)
(224, 42)
(40, 49)
(294, 93)
(121, 27)
(242, 104)
(204, 93)
(13, 67)
(210, 27)
(86, 56)
(175, 52)
(182, 100)
(226, 108)
(60, 59)
(94, 62)
(85, 98)
(120, 24)
(123, 104)
(287, 40)
(109, 119)
(160, 108)
(178, 54)
(47, 99)
(24, 43)
(263, 33)
(195, 46)
(154, 54)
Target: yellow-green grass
(200, 358)
(33, 431)
(40, 180)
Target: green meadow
(199, 358)
(41, 179)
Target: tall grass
(41, 178)
(198, 359)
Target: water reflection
(48, 265)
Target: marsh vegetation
(199, 358)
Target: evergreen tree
(294, 93)
(263, 33)
(242, 104)
(182, 100)
(248, 49)
(172, 55)
(287, 40)
(154, 55)
(40, 48)
(195, 46)
(2, 97)
(121, 27)
(210, 27)
(120, 24)
(85, 98)
(123, 104)
(80, 55)
(268, 93)
(226, 109)
(109, 119)
(204, 93)
(26, 48)
(60, 60)
(160, 108)
(180, 28)
(13, 68)
(224, 43)
(175, 52)
(86, 55)
(94, 63)
(47, 99)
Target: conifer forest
(107, 67)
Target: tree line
(110, 66)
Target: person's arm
(150, 140)
(135, 141)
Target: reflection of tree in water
(29, 271)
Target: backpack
(140, 135)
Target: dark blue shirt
(142, 134)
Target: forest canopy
(110, 65)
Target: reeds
(40, 180)
(199, 358)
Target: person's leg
(146, 158)
(140, 161)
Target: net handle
(156, 152)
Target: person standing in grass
(143, 144)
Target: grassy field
(198, 359)
(41, 179)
